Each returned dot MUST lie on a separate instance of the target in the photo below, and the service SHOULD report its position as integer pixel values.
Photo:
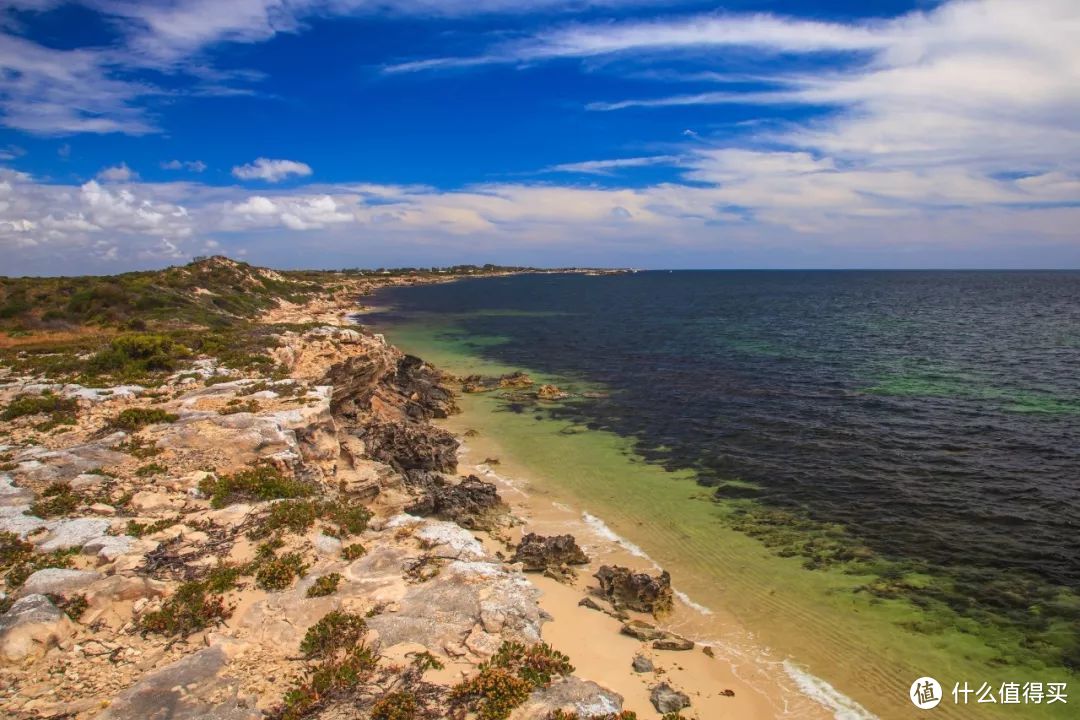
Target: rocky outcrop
(537, 553)
(667, 699)
(423, 389)
(471, 503)
(642, 592)
(32, 627)
(410, 446)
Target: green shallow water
(869, 648)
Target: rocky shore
(236, 544)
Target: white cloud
(117, 173)
(190, 165)
(271, 170)
(607, 167)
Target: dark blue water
(934, 415)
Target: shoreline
(764, 688)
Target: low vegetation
(135, 419)
(259, 482)
(326, 585)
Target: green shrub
(492, 694)
(506, 680)
(354, 551)
(60, 409)
(57, 499)
(31, 563)
(337, 630)
(278, 573)
(137, 355)
(326, 585)
(134, 419)
(259, 482)
(138, 529)
(73, 606)
(395, 706)
(138, 447)
(193, 607)
(151, 470)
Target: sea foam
(842, 707)
(599, 527)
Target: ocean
(902, 446)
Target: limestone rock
(31, 627)
(635, 591)
(642, 664)
(12, 495)
(74, 533)
(57, 581)
(667, 699)
(188, 689)
(571, 695)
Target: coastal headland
(221, 497)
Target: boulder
(58, 581)
(667, 699)
(471, 503)
(572, 695)
(65, 534)
(642, 664)
(537, 553)
(635, 591)
(31, 627)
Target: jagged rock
(57, 581)
(667, 699)
(515, 381)
(422, 385)
(410, 446)
(191, 688)
(642, 664)
(635, 591)
(355, 381)
(537, 553)
(471, 503)
(75, 533)
(31, 627)
(584, 698)
(550, 392)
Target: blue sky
(648, 133)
